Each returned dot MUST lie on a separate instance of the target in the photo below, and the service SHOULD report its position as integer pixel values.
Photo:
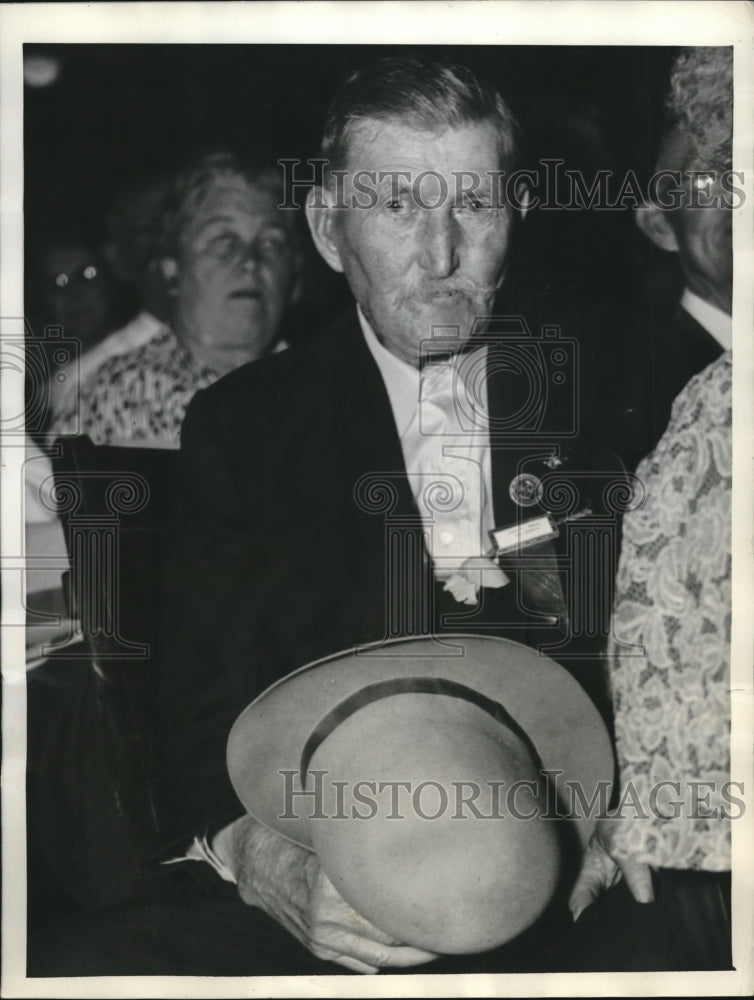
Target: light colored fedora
(428, 774)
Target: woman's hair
(192, 184)
(700, 102)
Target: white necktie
(446, 448)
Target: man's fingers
(601, 870)
(598, 872)
(638, 879)
(583, 895)
(339, 929)
(334, 939)
(403, 957)
(347, 961)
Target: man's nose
(440, 243)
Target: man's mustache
(438, 291)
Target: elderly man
(229, 260)
(340, 494)
(284, 549)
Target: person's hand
(287, 882)
(601, 870)
(339, 934)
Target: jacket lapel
(379, 512)
(371, 448)
(538, 577)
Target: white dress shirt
(713, 319)
(442, 420)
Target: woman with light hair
(229, 260)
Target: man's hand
(287, 882)
(601, 870)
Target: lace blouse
(672, 702)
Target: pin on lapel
(526, 489)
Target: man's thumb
(638, 879)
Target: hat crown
(448, 885)
(453, 823)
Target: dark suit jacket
(677, 347)
(683, 349)
(279, 556)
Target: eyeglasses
(80, 276)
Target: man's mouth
(433, 296)
(246, 293)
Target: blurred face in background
(704, 235)
(77, 292)
(234, 275)
(701, 236)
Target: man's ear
(523, 198)
(655, 224)
(323, 223)
(168, 267)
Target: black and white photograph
(376, 498)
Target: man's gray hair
(428, 96)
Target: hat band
(409, 685)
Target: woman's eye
(222, 244)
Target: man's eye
(397, 205)
(472, 204)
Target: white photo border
(536, 22)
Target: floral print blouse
(673, 598)
(138, 397)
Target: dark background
(118, 113)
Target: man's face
(235, 273)
(425, 254)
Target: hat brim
(562, 722)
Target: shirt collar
(401, 380)
(713, 319)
